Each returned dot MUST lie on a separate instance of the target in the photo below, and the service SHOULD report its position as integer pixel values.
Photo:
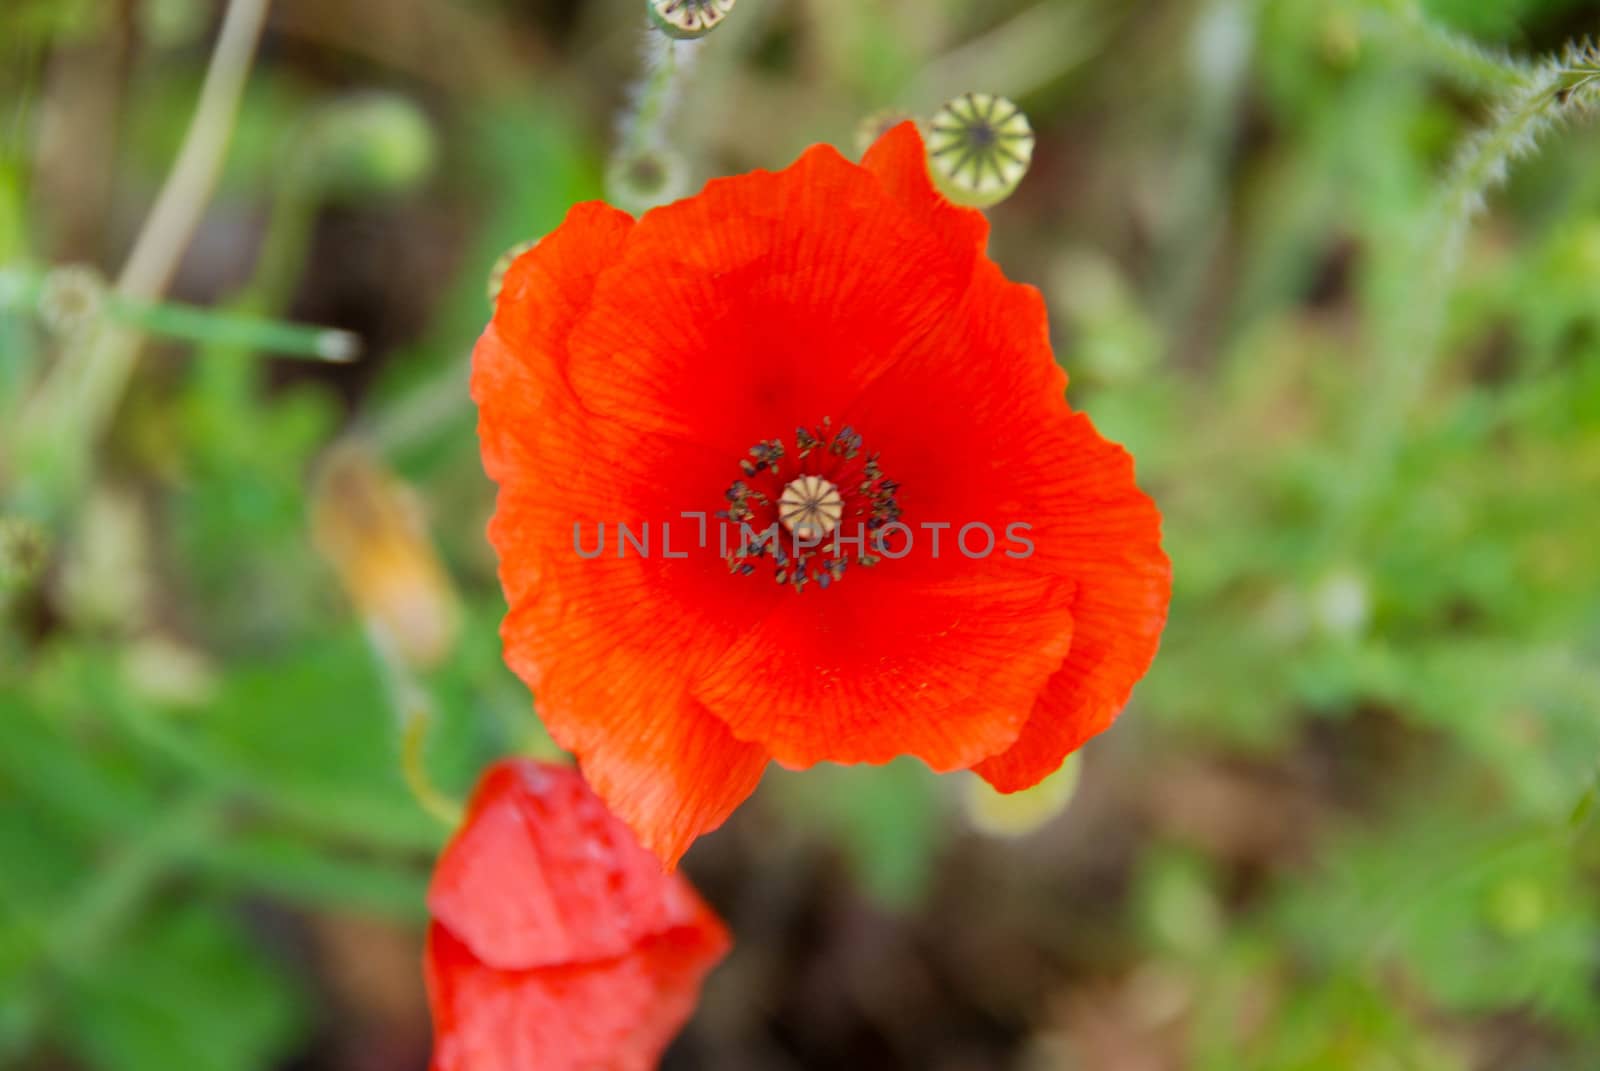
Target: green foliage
(186, 989)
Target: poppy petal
(608, 644)
(900, 161)
(558, 942)
(617, 1014)
(767, 301)
(1026, 458)
(586, 634)
(541, 873)
(1109, 540)
(671, 773)
(946, 670)
(544, 292)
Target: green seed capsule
(641, 180)
(688, 19)
(980, 146)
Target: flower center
(808, 509)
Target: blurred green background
(1345, 823)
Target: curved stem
(1451, 53)
(643, 126)
(76, 402)
(1408, 350)
(413, 763)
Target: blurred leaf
(315, 730)
(188, 989)
(286, 866)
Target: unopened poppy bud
(372, 143)
(556, 940)
(1017, 814)
(876, 125)
(497, 274)
(369, 526)
(71, 298)
(980, 147)
(639, 181)
(688, 19)
(23, 550)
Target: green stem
(157, 736)
(191, 324)
(122, 886)
(645, 171)
(1447, 51)
(645, 127)
(59, 431)
(414, 764)
(1408, 350)
(285, 866)
(414, 715)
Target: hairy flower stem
(1408, 345)
(1450, 53)
(645, 170)
(654, 96)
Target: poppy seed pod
(688, 19)
(1018, 814)
(980, 147)
(641, 180)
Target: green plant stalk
(313, 876)
(211, 328)
(1199, 218)
(21, 289)
(414, 764)
(123, 886)
(1409, 348)
(1444, 50)
(60, 430)
(644, 128)
(71, 943)
(413, 711)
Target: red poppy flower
(557, 941)
(829, 349)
